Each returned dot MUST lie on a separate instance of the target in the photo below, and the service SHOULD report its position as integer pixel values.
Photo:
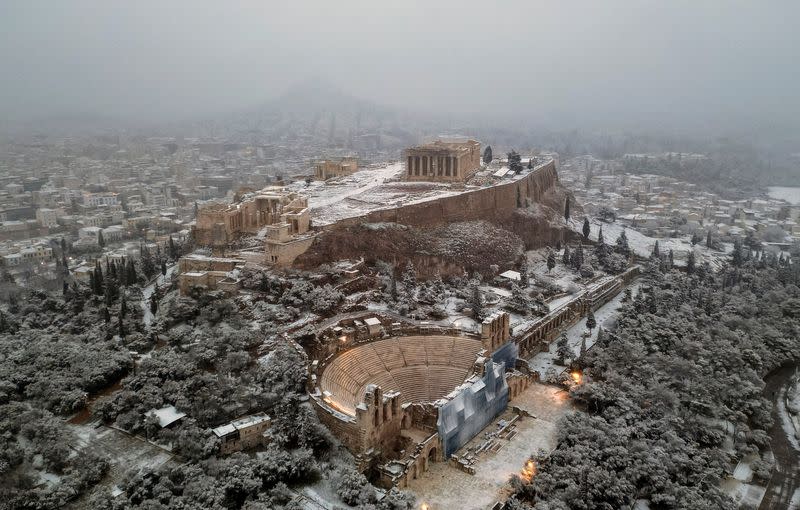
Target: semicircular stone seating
(421, 368)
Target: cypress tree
(566, 258)
(551, 261)
(586, 228)
(690, 263)
(566, 210)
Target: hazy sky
(604, 60)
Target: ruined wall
(342, 426)
(493, 203)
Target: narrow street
(784, 485)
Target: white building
(98, 199)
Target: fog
(610, 63)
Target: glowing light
(343, 339)
(424, 506)
(529, 471)
(577, 377)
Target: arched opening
(432, 455)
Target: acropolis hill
(279, 224)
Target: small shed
(373, 325)
(166, 416)
(513, 276)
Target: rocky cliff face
(467, 232)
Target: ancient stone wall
(342, 426)
(492, 203)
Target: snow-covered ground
(605, 315)
(149, 289)
(642, 245)
(381, 187)
(789, 412)
(444, 487)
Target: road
(785, 480)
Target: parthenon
(449, 161)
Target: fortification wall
(496, 202)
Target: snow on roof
(511, 275)
(249, 421)
(223, 430)
(372, 321)
(166, 415)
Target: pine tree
(519, 301)
(577, 258)
(695, 238)
(100, 239)
(153, 303)
(563, 350)
(621, 245)
(98, 279)
(410, 278)
(148, 265)
(656, 252)
(172, 250)
(130, 273)
(566, 210)
(551, 261)
(487, 155)
(737, 253)
(671, 258)
(591, 322)
(586, 228)
(600, 239)
(196, 210)
(163, 268)
(709, 240)
(566, 257)
(109, 294)
(123, 308)
(476, 303)
(393, 288)
(690, 262)
(524, 276)
(583, 347)
(530, 163)
(514, 162)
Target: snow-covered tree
(519, 301)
